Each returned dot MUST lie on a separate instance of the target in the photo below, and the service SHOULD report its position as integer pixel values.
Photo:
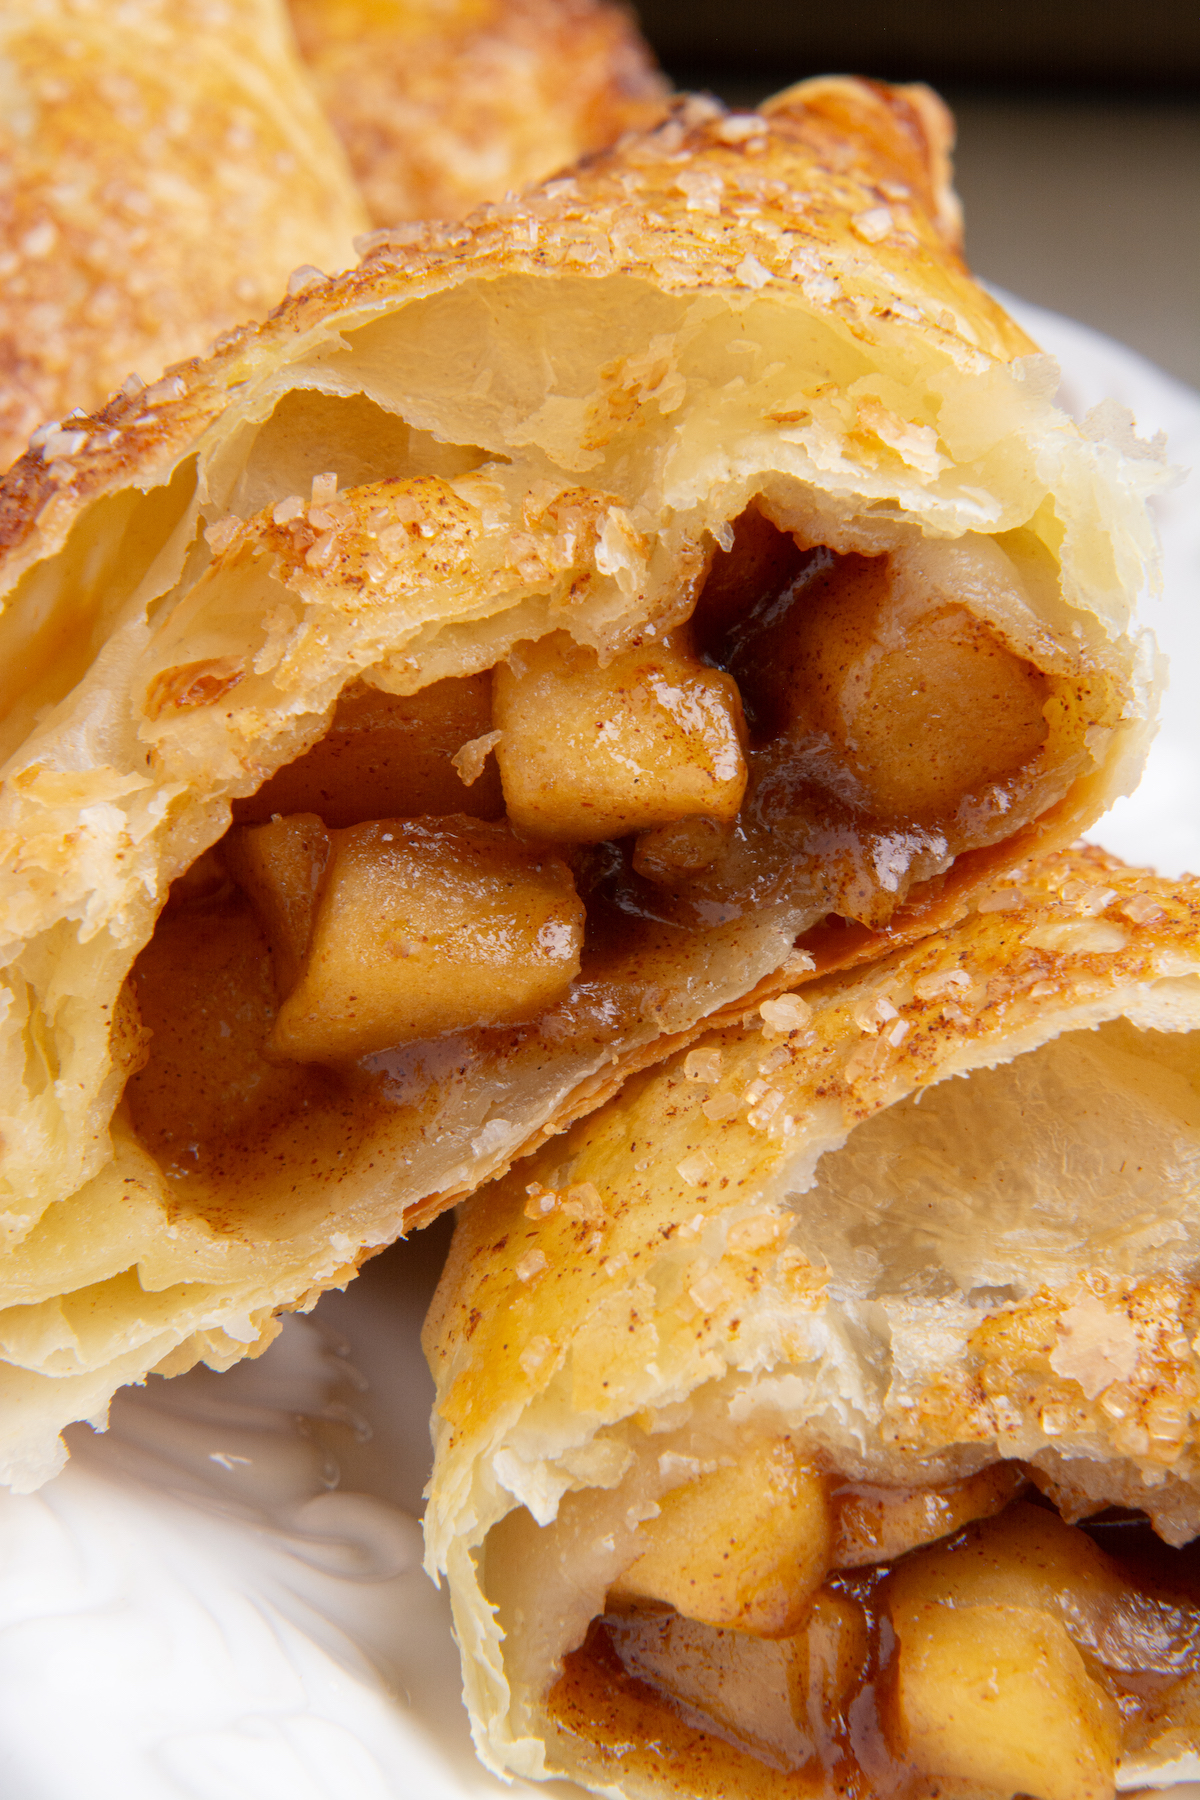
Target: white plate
(203, 1607)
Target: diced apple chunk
(590, 752)
(999, 1695)
(744, 1547)
(783, 1698)
(279, 868)
(925, 710)
(1031, 1557)
(994, 1626)
(744, 1685)
(829, 1654)
(390, 756)
(1028, 1557)
(876, 1524)
(428, 926)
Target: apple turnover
(819, 1416)
(437, 703)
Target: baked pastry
(745, 1387)
(442, 107)
(438, 702)
(165, 168)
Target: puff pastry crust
(443, 107)
(543, 421)
(921, 1219)
(166, 167)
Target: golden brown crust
(441, 108)
(165, 173)
(625, 213)
(180, 621)
(1016, 993)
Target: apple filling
(786, 1633)
(386, 756)
(590, 752)
(423, 923)
(543, 846)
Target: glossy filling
(537, 849)
(785, 1633)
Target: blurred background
(1079, 133)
